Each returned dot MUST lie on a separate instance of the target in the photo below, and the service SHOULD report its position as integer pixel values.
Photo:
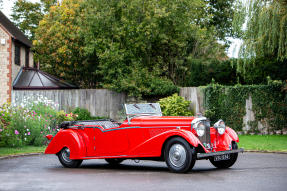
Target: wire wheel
(64, 158)
(66, 155)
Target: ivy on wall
(269, 104)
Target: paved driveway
(253, 171)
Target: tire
(179, 155)
(226, 163)
(114, 161)
(64, 158)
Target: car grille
(205, 139)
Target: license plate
(222, 157)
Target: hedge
(269, 104)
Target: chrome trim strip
(107, 130)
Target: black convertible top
(105, 123)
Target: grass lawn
(5, 151)
(263, 142)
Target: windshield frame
(142, 109)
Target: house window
(17, 54)
(27, 57)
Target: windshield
(143, 109)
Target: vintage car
(146, 135)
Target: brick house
(15, 52)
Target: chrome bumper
(207, 155)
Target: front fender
(153, 146)
(68, 138)
(232, 134)
(187, 135)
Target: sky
(231, 52)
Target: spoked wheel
(114, 161)
(179, 155)
(64, 158)
(226, 163)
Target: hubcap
(177, 155)
(66, 155)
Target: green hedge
(269, 103)
(201, 73)
(198, 72)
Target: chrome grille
(205, 139)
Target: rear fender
(232, 134)
(68, 138)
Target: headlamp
(220, 126)
(200, 128)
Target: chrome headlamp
(199, 128)
(220, 126)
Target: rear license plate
(222, 157)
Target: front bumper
(207, 155)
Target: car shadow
(125, 167)
(133, 167)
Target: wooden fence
(100, 102)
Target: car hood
(163, 120)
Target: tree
(134, 46)
(266, 31)
(26, 15)
(221, 12)
(60, 45)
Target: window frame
(27, 57)
(17, 54)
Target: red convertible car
(147, 135)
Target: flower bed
(28, 123)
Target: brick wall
(15, 68)
(5, 79)
(8, 69)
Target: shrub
(175, 105)
(82, 114)
(62, 116)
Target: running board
(206, 155)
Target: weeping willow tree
(263, 25)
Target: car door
(89, 134)
(110, 142)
